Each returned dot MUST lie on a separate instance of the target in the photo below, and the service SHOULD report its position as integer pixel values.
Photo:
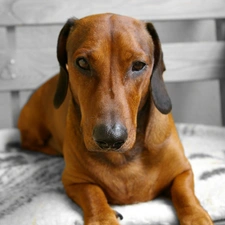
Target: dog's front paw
(105, 219)
(195, 216)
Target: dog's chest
(129, 185)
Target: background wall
(197, 102)
(192, 102)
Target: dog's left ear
(63, 79)
(159, 93)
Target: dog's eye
(83, 64)
(137, 66)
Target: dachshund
(109, 114)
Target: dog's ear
(158, 89)
(63, 79)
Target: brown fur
(151, 161)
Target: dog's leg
(33, 126)
(34, 136)
(93, 202)
(188, 208)
(34, 140)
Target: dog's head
(111, 63)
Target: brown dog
(111, 120)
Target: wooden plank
(24, 96)
(194, 61)
(222, 100)
(170, 31)
(196, 102)
(5, 110)
(4, 65)
(3, 50)
(15, 105)
(37, 36)
(184, 62)
(3, 41)
(186, 31)
(31, 68)
(220, 30)
(20, 12)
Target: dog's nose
(110, 136)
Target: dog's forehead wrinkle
(132, 44)
(105, 33)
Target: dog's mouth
(121, 148)
(109, 146)
(116, 147)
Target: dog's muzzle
(109, 136)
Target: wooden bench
(29, 29)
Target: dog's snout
(110, 136)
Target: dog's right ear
(63, 79)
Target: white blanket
(31, 192)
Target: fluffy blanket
(31, 192)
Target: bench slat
(22, 12)
(30, 68)
(194, 61)
(184, 62)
